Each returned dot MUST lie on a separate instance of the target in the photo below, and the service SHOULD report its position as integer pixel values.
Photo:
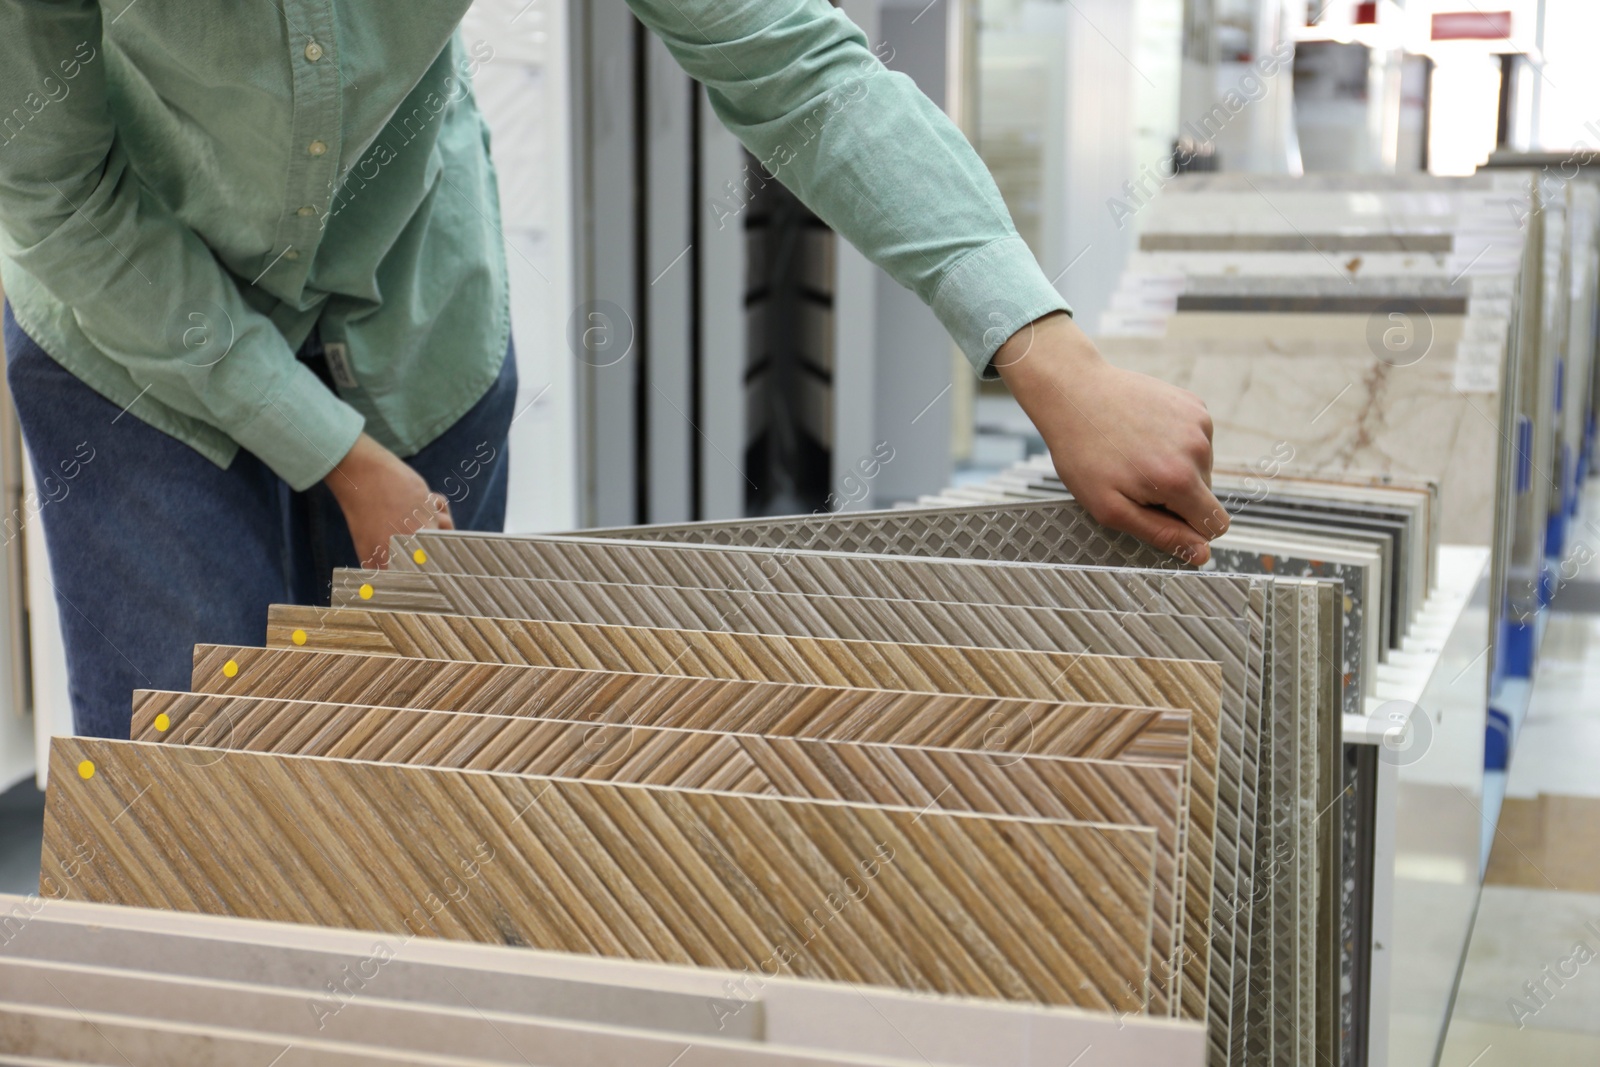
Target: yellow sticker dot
(163, 722)
(420, 556)
(298, 637)
(230, 668)
(86, 769)
(365, 591)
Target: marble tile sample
(980, 905)
(1125, 794)
(1135, 682)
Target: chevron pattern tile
(741, 655)
(984, 905)
(1124, 794)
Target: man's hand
(381, 496)
(1135, 451)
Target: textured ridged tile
(1319, 702)
(1329, 823)
(1034, 531)
(1125, 794)
(983, 905)
(788, 570)
(474, 687)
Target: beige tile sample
(983, 905)
(1125, 794)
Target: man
(253, 259)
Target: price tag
(1477, 367)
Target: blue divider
(1497, 741)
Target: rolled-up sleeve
(142, 285)
(796, 82)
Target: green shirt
(188, 189)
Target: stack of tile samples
(86, 983)
(992, 752)
(1378, 538)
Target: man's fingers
(441, 512)
(1198, 506)
(1156, 528)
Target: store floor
(1530, 991)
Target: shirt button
(306, 212)
(291, 254)
(313, 51)
(317, 148)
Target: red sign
(1472, 25)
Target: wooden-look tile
(1125, 794)
(851, 663)
(985, 905)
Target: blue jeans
(153, 548)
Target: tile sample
(1034, 531)
(786, 569)
(983, 905)
(1352, 579)
(56, 1037)
(1409, 419)
(934, 779)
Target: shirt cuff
(302, 431)
(993, 292)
